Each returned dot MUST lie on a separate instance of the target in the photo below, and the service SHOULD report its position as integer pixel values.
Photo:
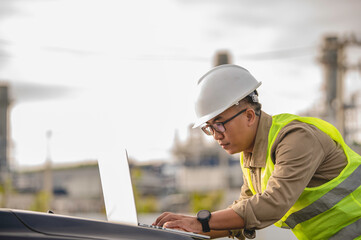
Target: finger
(171, 217)
(172, 224)
(167, 218)
(160, 218)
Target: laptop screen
(117, 187)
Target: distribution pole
(5, 175)
(4, 132)
(48, 173)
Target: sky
(106, 73)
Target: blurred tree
(41, 202)
(209, 200)
(2, 196)
(144, 204)
(6, 188)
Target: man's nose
(217, 135)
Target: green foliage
(6, 188)
(2, 196)
(144, 204)
(41, 202)
(136, 173)
(209, 200)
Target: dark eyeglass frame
(219, 126)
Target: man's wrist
(203, 217)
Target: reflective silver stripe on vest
(349, 232)
(327, 201)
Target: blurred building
(340, 106)
(203, 165)
(154, 178)
(76, 188)
(222, 57)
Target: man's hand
(226, 219)
(179, 221)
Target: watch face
(203, 214)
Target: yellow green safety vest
(329, 211)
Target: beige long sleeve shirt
(303, 156)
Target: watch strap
(205, 226)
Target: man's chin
(229, 151)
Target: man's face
(240, 131)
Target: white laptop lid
(117, 187)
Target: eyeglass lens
(209, 129)
(219, 126)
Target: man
(298, 172)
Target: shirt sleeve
(297, 153)
(245, 194)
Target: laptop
(118, 192)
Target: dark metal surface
(18, 224)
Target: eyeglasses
(218, 126)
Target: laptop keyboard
(151, 226)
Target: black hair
(253, 103)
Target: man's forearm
(226, 219)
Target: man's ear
(251, 116)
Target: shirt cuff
(236, 234)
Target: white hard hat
(221, 88)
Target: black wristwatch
(203, 217)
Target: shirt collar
(259, 155)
